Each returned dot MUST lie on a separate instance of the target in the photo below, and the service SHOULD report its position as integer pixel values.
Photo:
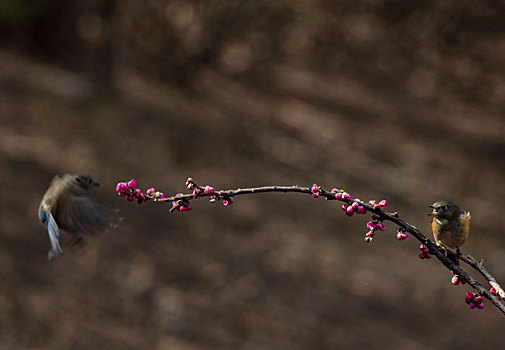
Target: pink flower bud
(479, 299)
(344, 207)
(380, 226)
(368, 239)
(480, 306)
(370, 234)
(401, 236)
(208, 190)
(471, 305)
(131, 183)
(469, 294)
(315, 194)
(360, 210)
(130, 198)
(150, 192)
(370, 225)
(142, 199)
(121, 187)
(349, 211)
(185, 208)
(346, 196)
(158, 195)
(355, 206)
(136, 193)
(493, 291)
(338, 195)
(371, 202)
(383, 203)
(455, 280)
(334, 190)
(196, 192)
(227, 202)
(422, 256)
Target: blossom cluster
(425, 253)
(374, 225)
(208, 190)
(129, 192)
(181, 205)
(474, 300)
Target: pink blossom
(360, 210)
(131, 183)
(346, 196)
(315, 194)
(401, 236)
(227, 202)
(208, 190)
(480, 306)
(136, 193)
(130, 198)
(455, 280)
(150, 192)
(338, 195)
(141, 199)
(185, 208)
(334, 190)
(158, 195)
(383, 203)
(479, 299)
(349, 211)
(121, 187)
(493, 291)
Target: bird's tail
(52, 229)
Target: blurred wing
(52, 229)
(79, 212)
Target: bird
(70, 205)
(450, 225)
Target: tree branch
(181, 202)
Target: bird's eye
(443, 207)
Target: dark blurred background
(402, 100)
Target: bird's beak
(433, 212)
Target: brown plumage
(70, 205)
(450, 225)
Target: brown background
(402, 100)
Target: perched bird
(69, 205)
(450, 225)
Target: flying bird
(70, 205)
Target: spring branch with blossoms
(351, 207)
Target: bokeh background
(402, 100)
